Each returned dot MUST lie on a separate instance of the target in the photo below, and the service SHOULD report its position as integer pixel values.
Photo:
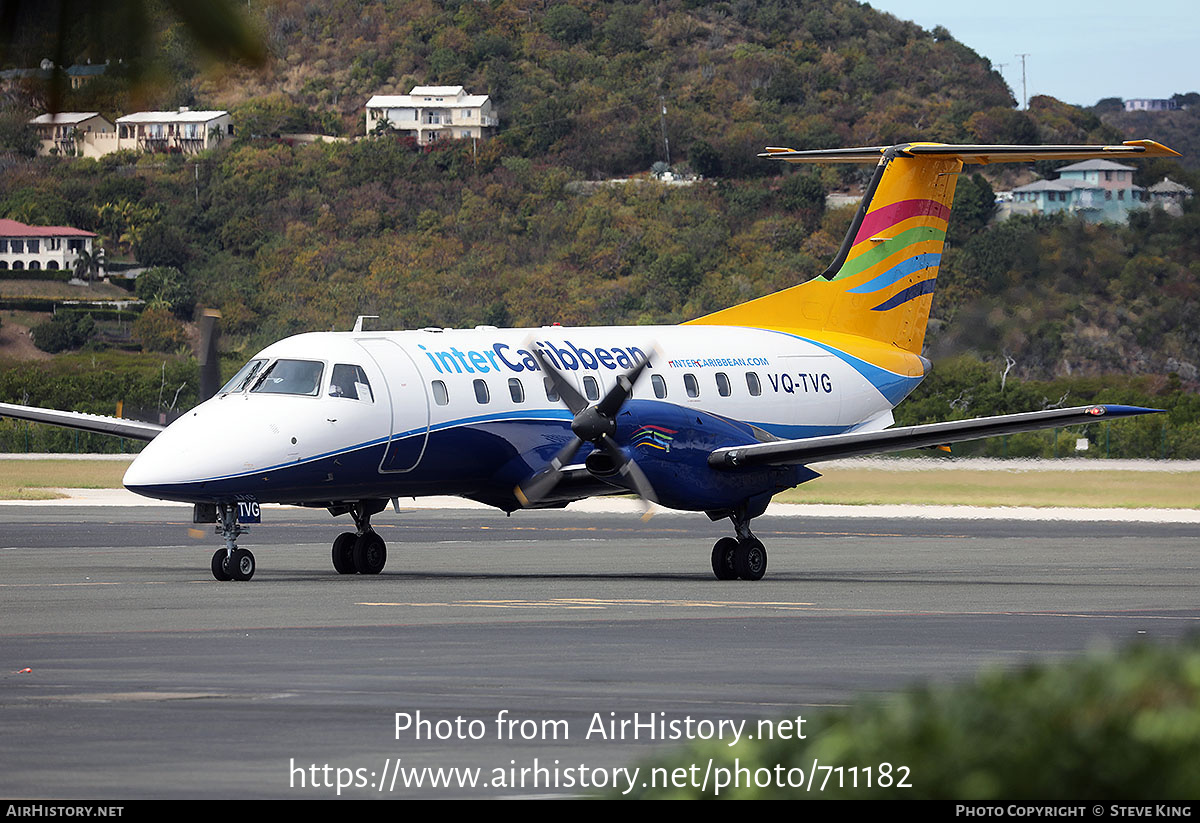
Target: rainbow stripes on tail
(876, 295)
(883, 288)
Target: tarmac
(127, 672)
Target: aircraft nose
(194, 449)
(149, 468)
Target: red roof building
(36, 248)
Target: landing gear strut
(743, 556)
(362, 551)
(231, 563)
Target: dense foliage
(146, 386)
(582, 83)
(963, 387)
(1061, 296)
(1106, 727)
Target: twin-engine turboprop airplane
(715, 415)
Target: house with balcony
(38, 248)
(1099, 191)
(75, 134)
(181, 132)
(429, 113)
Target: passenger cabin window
(482, 395)
(723, 387)
(591, 388)
(660, 386)
(691, 386)
(752, 384)
(290, 377)
(350, 382)
(440, 395)
(516, 390)
(243, 378)
(551, 394)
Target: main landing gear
(741, 557)
(362, 551)
(231, 563)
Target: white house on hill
(431, 113)
(75, 134)
(184, 131)
(35, 248)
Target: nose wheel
(238, 566)
(231, 562)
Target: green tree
(803, 194)
(704, 159)
(157, 330)
(63, 332)
(567, 24)
(16, 135)
(974, 205)
(168, 287)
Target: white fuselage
(431, 411)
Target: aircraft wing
(133, 429)
(856, 444)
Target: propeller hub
(591, 424)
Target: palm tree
(89, 263)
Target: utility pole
(1024, 89)
(663, 121)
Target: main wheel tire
(750, 559)
(241, 564)
(343, 553)
(722, 559)
(370, 554)
(218, 566)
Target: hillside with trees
(286, 238)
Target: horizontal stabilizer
(972, 153)
(857, 444)
(133, 429)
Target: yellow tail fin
(879, 289)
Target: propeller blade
(630, 472)
(574, 401)
(611, 403)
(542, 483)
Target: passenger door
(408, 397)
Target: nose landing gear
(231, 563)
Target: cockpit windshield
(243, 378)
(290, 377)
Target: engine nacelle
(671, 445)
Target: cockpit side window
(243, 378)
(351, 382)
(290, 377)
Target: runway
(149, 679)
